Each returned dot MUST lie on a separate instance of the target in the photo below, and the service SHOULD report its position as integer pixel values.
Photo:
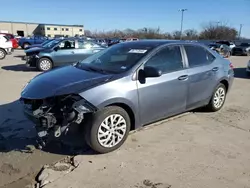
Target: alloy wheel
(1, 54)
(219, 97)
(45, 65)
(112, 130)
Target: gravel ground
(196, 150)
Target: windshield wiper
(89, 68)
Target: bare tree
(210, 31)
(215, 31)
(87, 33)
(191, 34)
(176, 35)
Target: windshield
(118, 58)
(51, 44)
(45, 42)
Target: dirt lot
(196, 150)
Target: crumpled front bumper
(31, 61)
(50, 125)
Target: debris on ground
(50, 173)
(149, 184)
(7, 168)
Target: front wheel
(218, 99)
(44, 64)
(2, 54)
(108, 129)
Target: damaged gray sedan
(124, 87)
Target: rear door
(84, 49)
(202, 72)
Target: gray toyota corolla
(124, 87)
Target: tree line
(209, 31)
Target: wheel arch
(3, 50)
(127, 106)
(225, 83)
(47, 58)
(128, 110)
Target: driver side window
(167, 60)
(67, 44)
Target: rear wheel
(2, 54)
(218, 99)
(108, 129)
(44, 64)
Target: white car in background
(5, 46)
(232, 45)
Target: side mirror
(152, 72)
(56, 48)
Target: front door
(202, 71)
(65, 53)
(163, 96)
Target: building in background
(49, 30)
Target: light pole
(182, 12)
(240, 30)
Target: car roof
(158, 42)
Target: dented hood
(61, 81)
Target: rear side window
(7, 39)
(198, 56)
(168, 59)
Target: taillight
(231, 66)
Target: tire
(213, 106)
(25, 45)
(93, 128)
(2, 54)
(44, 64)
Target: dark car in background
(39, 45)
(27, 41)
(125, 87)
(242, 49)
(60, 52)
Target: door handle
(215, 69)
(183, 77)
(72, 52)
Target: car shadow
(18, 68)
(241, 73)
(22, 57)
(18, 134)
